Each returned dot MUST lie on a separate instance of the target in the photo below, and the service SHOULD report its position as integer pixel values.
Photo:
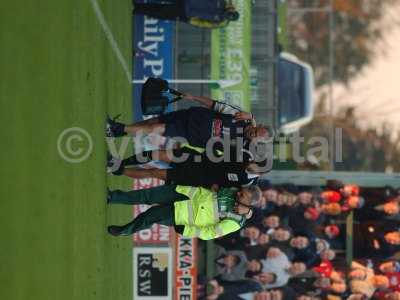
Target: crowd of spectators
(294, 246)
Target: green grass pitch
(58, 70)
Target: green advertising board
(230, 58)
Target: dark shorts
(187, 172)
(193, 124)
(176, 123)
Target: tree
(358, 27)
(364, 149)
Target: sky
(376, 91)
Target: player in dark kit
(192, 168)
(197, 125)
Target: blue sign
(153, 54)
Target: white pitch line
(111, 39)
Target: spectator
(311, 214)
(357, 296)
(300, 255)
(350, 190)
(333, 234)
(325, 269)
(376, 209)
(321, 285)
(390, 266)
(331, 196)
(273, 294)
(307, 297)
(304, 250)
(331, 209)
(271, 222)
(259, 251)
(254, 267)
(281, 234)
(387, 295)
(391, 270)
(321, 245)
(233, 289)
(303, 219)
(252, 233)
(327, 254)
(270, 195)
(279, 269)
(241, 240)
(353, 202)
(364, 281)
(318, 257)
(305, 198)
(231, 265)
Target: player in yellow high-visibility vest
(193, 211)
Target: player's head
(260, 131)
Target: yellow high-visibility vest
(199, 214)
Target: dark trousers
(172, 10)
(163, 213)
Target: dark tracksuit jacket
(199, 124)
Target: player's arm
(222, 228)
(229, 109)
(218, 106)
(222, 107)
(207, 102)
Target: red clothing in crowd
(325, 268)
(331, 196)
(394, 285)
